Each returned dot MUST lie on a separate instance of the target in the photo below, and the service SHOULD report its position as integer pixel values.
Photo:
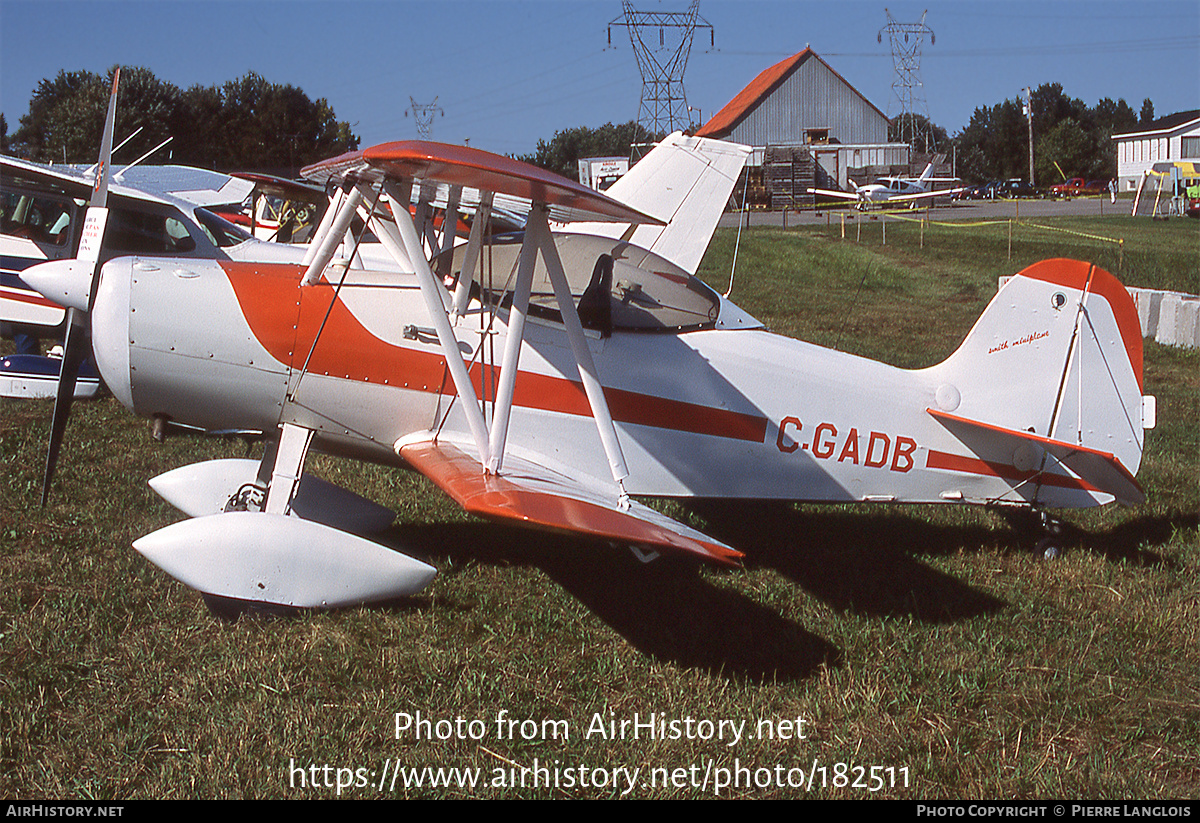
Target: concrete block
(1186, 320)
(1165, 333)
(1153, 309)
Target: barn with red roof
(803, 115)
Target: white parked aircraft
(43, 220)
(890, 190)
(161, 210)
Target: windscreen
(616, 286)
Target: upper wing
(281, 186)
(464, 166)
(530, 494)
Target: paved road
(961, 210)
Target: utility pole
(1029, 121)
(663, 108)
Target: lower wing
(528, 493)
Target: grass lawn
(862, 651)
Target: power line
(423, 116)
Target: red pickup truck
(1077, 186)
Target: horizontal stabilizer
(529, 494)
(1095, 471)
(31, 375)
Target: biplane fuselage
(719, 410)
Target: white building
(1175, 137)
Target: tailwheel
(1048, 532)
(1050, 546)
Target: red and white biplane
(550, 378)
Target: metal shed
(803, 110)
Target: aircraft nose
(66, 282)
(110, 328)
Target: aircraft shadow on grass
(865, 565)
(665, 609)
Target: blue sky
(507, 72)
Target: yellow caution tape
(1116, 240)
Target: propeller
(76, 344)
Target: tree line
(1070, 138)
(247, 123)
(562, 152)
(251, 123)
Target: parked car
(1016, 188)
(980, 191)
(1068, 188)
(969, 192)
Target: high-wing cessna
(43, 220)
(548, 379)
(889, 190)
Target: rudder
(1056, 354)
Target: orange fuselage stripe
(285, 319)
(973, 465)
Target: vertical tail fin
(1055, 361)
(686, 183)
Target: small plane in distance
(548, 378)
(883, 190)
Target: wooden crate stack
(789, 173)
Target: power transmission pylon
(906, 40)
(423, 115)
(663, 107)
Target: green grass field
(862, 651)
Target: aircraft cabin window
(612, 291)
(133, 232)
(222, 233)
(37, 217)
